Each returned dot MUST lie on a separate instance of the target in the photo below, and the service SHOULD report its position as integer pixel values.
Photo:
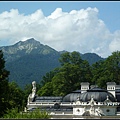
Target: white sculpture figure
(92, 106)
(92, 113)
(99, 112)
(92, 102)
(33, 89)
(25, 109)
(32, 95)
(84, 109)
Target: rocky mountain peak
(28, 43)
(29, 46)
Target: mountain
(28, 47)
(29, 60)
(91, 57)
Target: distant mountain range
(29, 60)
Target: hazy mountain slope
(91, 57)
(31, 67)
(29, 60)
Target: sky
(86, 27)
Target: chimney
(111, 86)
(84, 86)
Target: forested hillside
(30, 60)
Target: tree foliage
(107, 70)
(16, 96)
(74, 70)
(10, 94)
(67, 78)
(3, 85)
(14, 114)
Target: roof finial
(107, 97)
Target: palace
(89, 101)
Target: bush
(13, 113)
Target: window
(107, 110)
(78, 110)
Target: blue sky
(108, 10)
(103, 19)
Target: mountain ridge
(21, 48)
(29, 60)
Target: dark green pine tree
(4, 87)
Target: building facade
(88, 101)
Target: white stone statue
(33, 89)
(92, 102)
(99, 112)
(92, 113)
(84, 109)
(32, 95)
(25, 109)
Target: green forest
(60, 81)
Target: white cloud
(57, 13)
(115, 43)
(79, 30)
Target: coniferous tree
(4, 87)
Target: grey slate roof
(98, 94)
(48, 99)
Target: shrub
(37, 113)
